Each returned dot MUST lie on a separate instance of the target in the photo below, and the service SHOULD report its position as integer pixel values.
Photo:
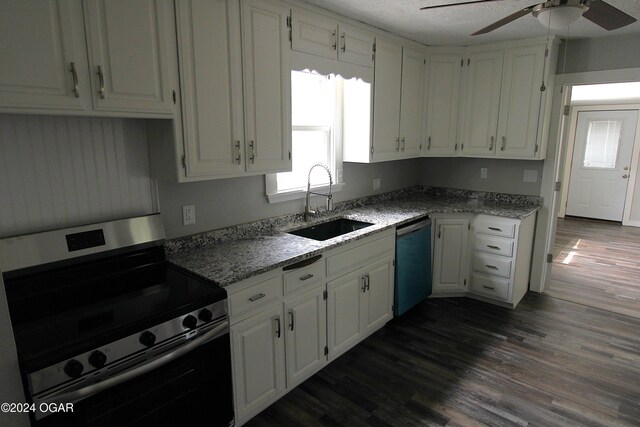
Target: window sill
(286, 196)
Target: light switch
(530, 175)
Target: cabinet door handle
(252, 146)
(367, 281)
(238, 156)
(495, 228)
(364, 284)
(439, 231)
(429, 144)
(306, 277)
(76, 87)
(278, 331)
(344, 42)
(101, 90)
(504, 143)
(493, 247)
(492, 267)
(398, 144)
(291, 320)
(402, 143)
(335, 40)
(256, 297)
(491, 144)
(488, 287)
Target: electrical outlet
(483, 173)
(377, 183)
(188, 215)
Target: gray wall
(606, 53)
(224, 202)
(503, 176)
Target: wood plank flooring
(460, 362)
(597, 263)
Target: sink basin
(328, 230)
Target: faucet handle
(329, 202)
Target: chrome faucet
(307, 209)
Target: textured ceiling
(453, 25)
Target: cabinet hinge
(558, 186)
(469, 226)
(549, 258)
(468, 61)
(326, 350)
(373, 54)
(455, 148)
(566, 110)
(546, 52)
(289, 154)
(372, 150)
(462, 146)
(289, 27)
(173, 94)
(325, 295)
(535, 150)
(465, 282)
(184, 162)
(393, 262)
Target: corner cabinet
(450, 254)
(236, 91)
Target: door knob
(626, 168)
(625, 176)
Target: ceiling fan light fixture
(558, 18)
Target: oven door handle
(81, 393)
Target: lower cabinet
(286, 326)
(450, 254)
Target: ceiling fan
(564, 12)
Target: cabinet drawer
(493, 245)
(495, 226)
(357, 257)
(492, 287)
(492, 265)
(255, 296)
(302, 277)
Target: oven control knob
(147, 338)
(190, 322)
(205, 315)
(73, 368)
(97, 359)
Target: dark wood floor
(459, 362)
(597, 263)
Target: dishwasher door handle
(413, 228)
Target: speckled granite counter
(236, 253)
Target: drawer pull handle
(493, 247)
(488, 287)
(495, 229)
(256, 297)
(291, 319)
(306, 277)
(492, 267)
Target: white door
(378, 296)
(344, 306)
(601, 162)
(450, 267)
(386, 100)
(411, 102)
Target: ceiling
(453, 25)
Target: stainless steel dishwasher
(413, 265)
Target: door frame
(552, 172)
(571, 141)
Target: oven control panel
(100, 363)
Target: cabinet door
(315, 34)
(267, 85)
(450, 254)
(258, 361)
(355, 46)
(128, 45)
(482, 99)
(344, 312)
(43, 55)
(211, 85)
(306, 337)
(377, 306)
(520, 102)
(386, 100)
(411, 102)
(443, 98)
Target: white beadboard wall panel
(63, 171)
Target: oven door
(192, 389)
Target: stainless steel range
(102, 321)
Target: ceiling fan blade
(504, 21)
(457, 4)
(607, 16)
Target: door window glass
(601, 148)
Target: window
(601, 149)
(320, 106)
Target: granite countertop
(240, 252)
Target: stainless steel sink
(328, 230)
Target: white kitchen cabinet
(377, 307)
(306, 335)
(344, 312)
(211, 85)
(322, 36)
(43, 57)
(482, 101)
(267, 85)
(258, 361)
(450, 254)
(443, 104)
(411, 99)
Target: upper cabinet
(318, 35)
(44, 65)
(506, 106)
(443, 104)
